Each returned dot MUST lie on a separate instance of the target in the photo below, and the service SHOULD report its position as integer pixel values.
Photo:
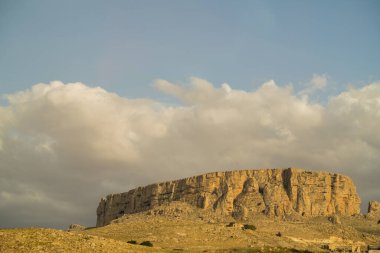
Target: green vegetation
(231, 224)
(249, 226)
(147, 243)
(144, 243)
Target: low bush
(231, 224)
(249, 226)
(132, 242)
(147, 243)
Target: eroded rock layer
(275, 192)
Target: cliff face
(275, 192)
(373, 209)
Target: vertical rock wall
(275, 192)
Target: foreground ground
(182, 228)
(52, 240)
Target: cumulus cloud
(63, 146)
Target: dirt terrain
(179, 227)
(52, 240)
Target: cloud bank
(63, 146)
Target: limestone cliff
(275, 192)
(373, 209)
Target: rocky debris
(76, 227)
(373, 209)
(338, 244)
(185, 230)
(235, 225)
(243, 193)
(175, 210)
(334, 219)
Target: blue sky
(123, 46)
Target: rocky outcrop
(76, 227)
(373, 209)
(274, 192)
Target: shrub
(132, 242)
(299, 251)
(147, 243)
(231, 224)
(249, 226)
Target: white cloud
(317, 82)
(67, 145)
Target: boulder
(334, 219)
(76, 227)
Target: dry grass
(51, 240)
(179, 227)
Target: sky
(99, 97)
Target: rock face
(374, 209)
(274, 192)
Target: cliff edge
(274, 192)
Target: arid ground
(178, 227)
